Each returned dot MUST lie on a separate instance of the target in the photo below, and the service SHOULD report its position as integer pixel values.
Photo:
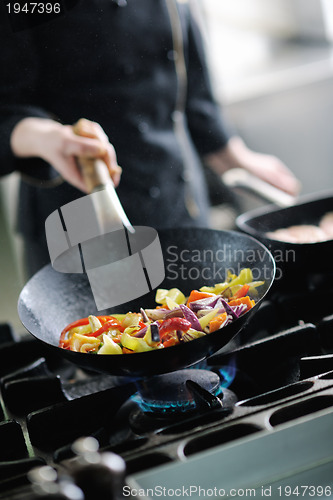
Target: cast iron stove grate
(283, 371)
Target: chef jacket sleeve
(207, 127)
(18, 80)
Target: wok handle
(109, 210)
(239, 178)
(95, 173)
(96, 176)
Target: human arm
(220, 149)
(59, 146)
(269, 168)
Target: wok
(292, 257)
(192, 257)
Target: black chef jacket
(122, 67)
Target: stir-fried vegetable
(175, 320)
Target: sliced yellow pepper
(109, 346)
(174, 294)
(119, 317)
(171, 303)
(83, 343)
(245, 276)
(134, 344)
(204, 321)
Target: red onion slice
(191, 317)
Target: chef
(136, 71)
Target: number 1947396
(305, 491)
(33, 8)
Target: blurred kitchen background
(272, 66)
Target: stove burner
(279, 379)
(169, 393)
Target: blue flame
(163, 407)
(228, 372)
(168, 407)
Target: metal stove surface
(273, 431)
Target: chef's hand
(267, 167)
(59, 145)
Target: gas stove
(255, 419)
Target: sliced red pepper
(170, 342)
(171, 324)
(82, 322)
(78, 322)
(112, 323)
(66, 345)
(104, 319)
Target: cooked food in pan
(299, 234)
(305, 233)
(175, 320)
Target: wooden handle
(95, 173)
(96, 176)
